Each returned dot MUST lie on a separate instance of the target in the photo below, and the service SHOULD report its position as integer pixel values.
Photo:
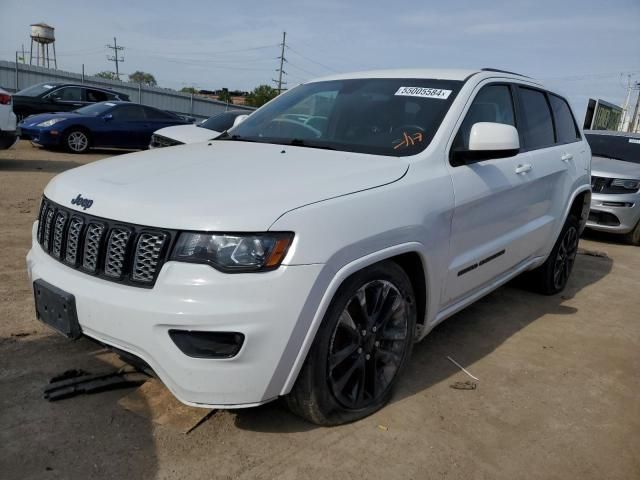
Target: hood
(225, 186)
(610, 168)
(187, 133)
(33, 120)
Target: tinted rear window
(566, 129)
(538, 127)
(155, 114)
(221, 122)
(617, 147)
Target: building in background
(602, 115)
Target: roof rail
(503, 71)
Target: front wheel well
(411, 263)
(580, 208)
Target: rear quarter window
(537, 127)
(566, 128)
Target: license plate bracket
(56, 308)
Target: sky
(583, 48)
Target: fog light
(617, 204)
(207, 344)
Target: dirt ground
(558, 395)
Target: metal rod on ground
(461, 368)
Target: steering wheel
(284, 124)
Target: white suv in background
(8, 135)
(303, 253)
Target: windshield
(618, 147)
(221, 122)
(381, 116)
(95, 109)
(36, 90)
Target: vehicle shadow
(89, 436)
(604, 237)
(468, 336)
(47, 166)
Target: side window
(566, 129)
(128, 113)
(538, 129)
(67, 94)
(492, 104)
(96, 96)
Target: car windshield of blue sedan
(95, 109)
(383, 116)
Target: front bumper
(614, 213)
(264, 307)
(40, 136)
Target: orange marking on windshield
(409, 140)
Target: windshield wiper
(298, 142)
(227, 136)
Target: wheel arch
(406, 255)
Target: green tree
(107, 75)
(191, 90)
(224, 96)
(261, 95)
(143, 77)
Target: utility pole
(280, 71)
(625, 108)
(115, 57)
(634, 117)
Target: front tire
(360, 349)
(552, 276)
(76, 141)
(633, 237)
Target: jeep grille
(115, 251)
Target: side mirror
(107, 117)
(489, 140)
(239, 119)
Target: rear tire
(552, 276)
(360, 349)
(76, 141)
(633, 237)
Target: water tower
(42, 36)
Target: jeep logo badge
(82, 202)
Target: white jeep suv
(304, 252)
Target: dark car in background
(615, 182)
(60, 97)
(105, 124)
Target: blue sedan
(105, 124)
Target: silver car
(615, 181)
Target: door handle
(524, 168)
(566, 157)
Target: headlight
(233, 252)
(53, 121)
(627, 184)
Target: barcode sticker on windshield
(634, 140)
(424, 92)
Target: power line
(116, 55)
(313, 61)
